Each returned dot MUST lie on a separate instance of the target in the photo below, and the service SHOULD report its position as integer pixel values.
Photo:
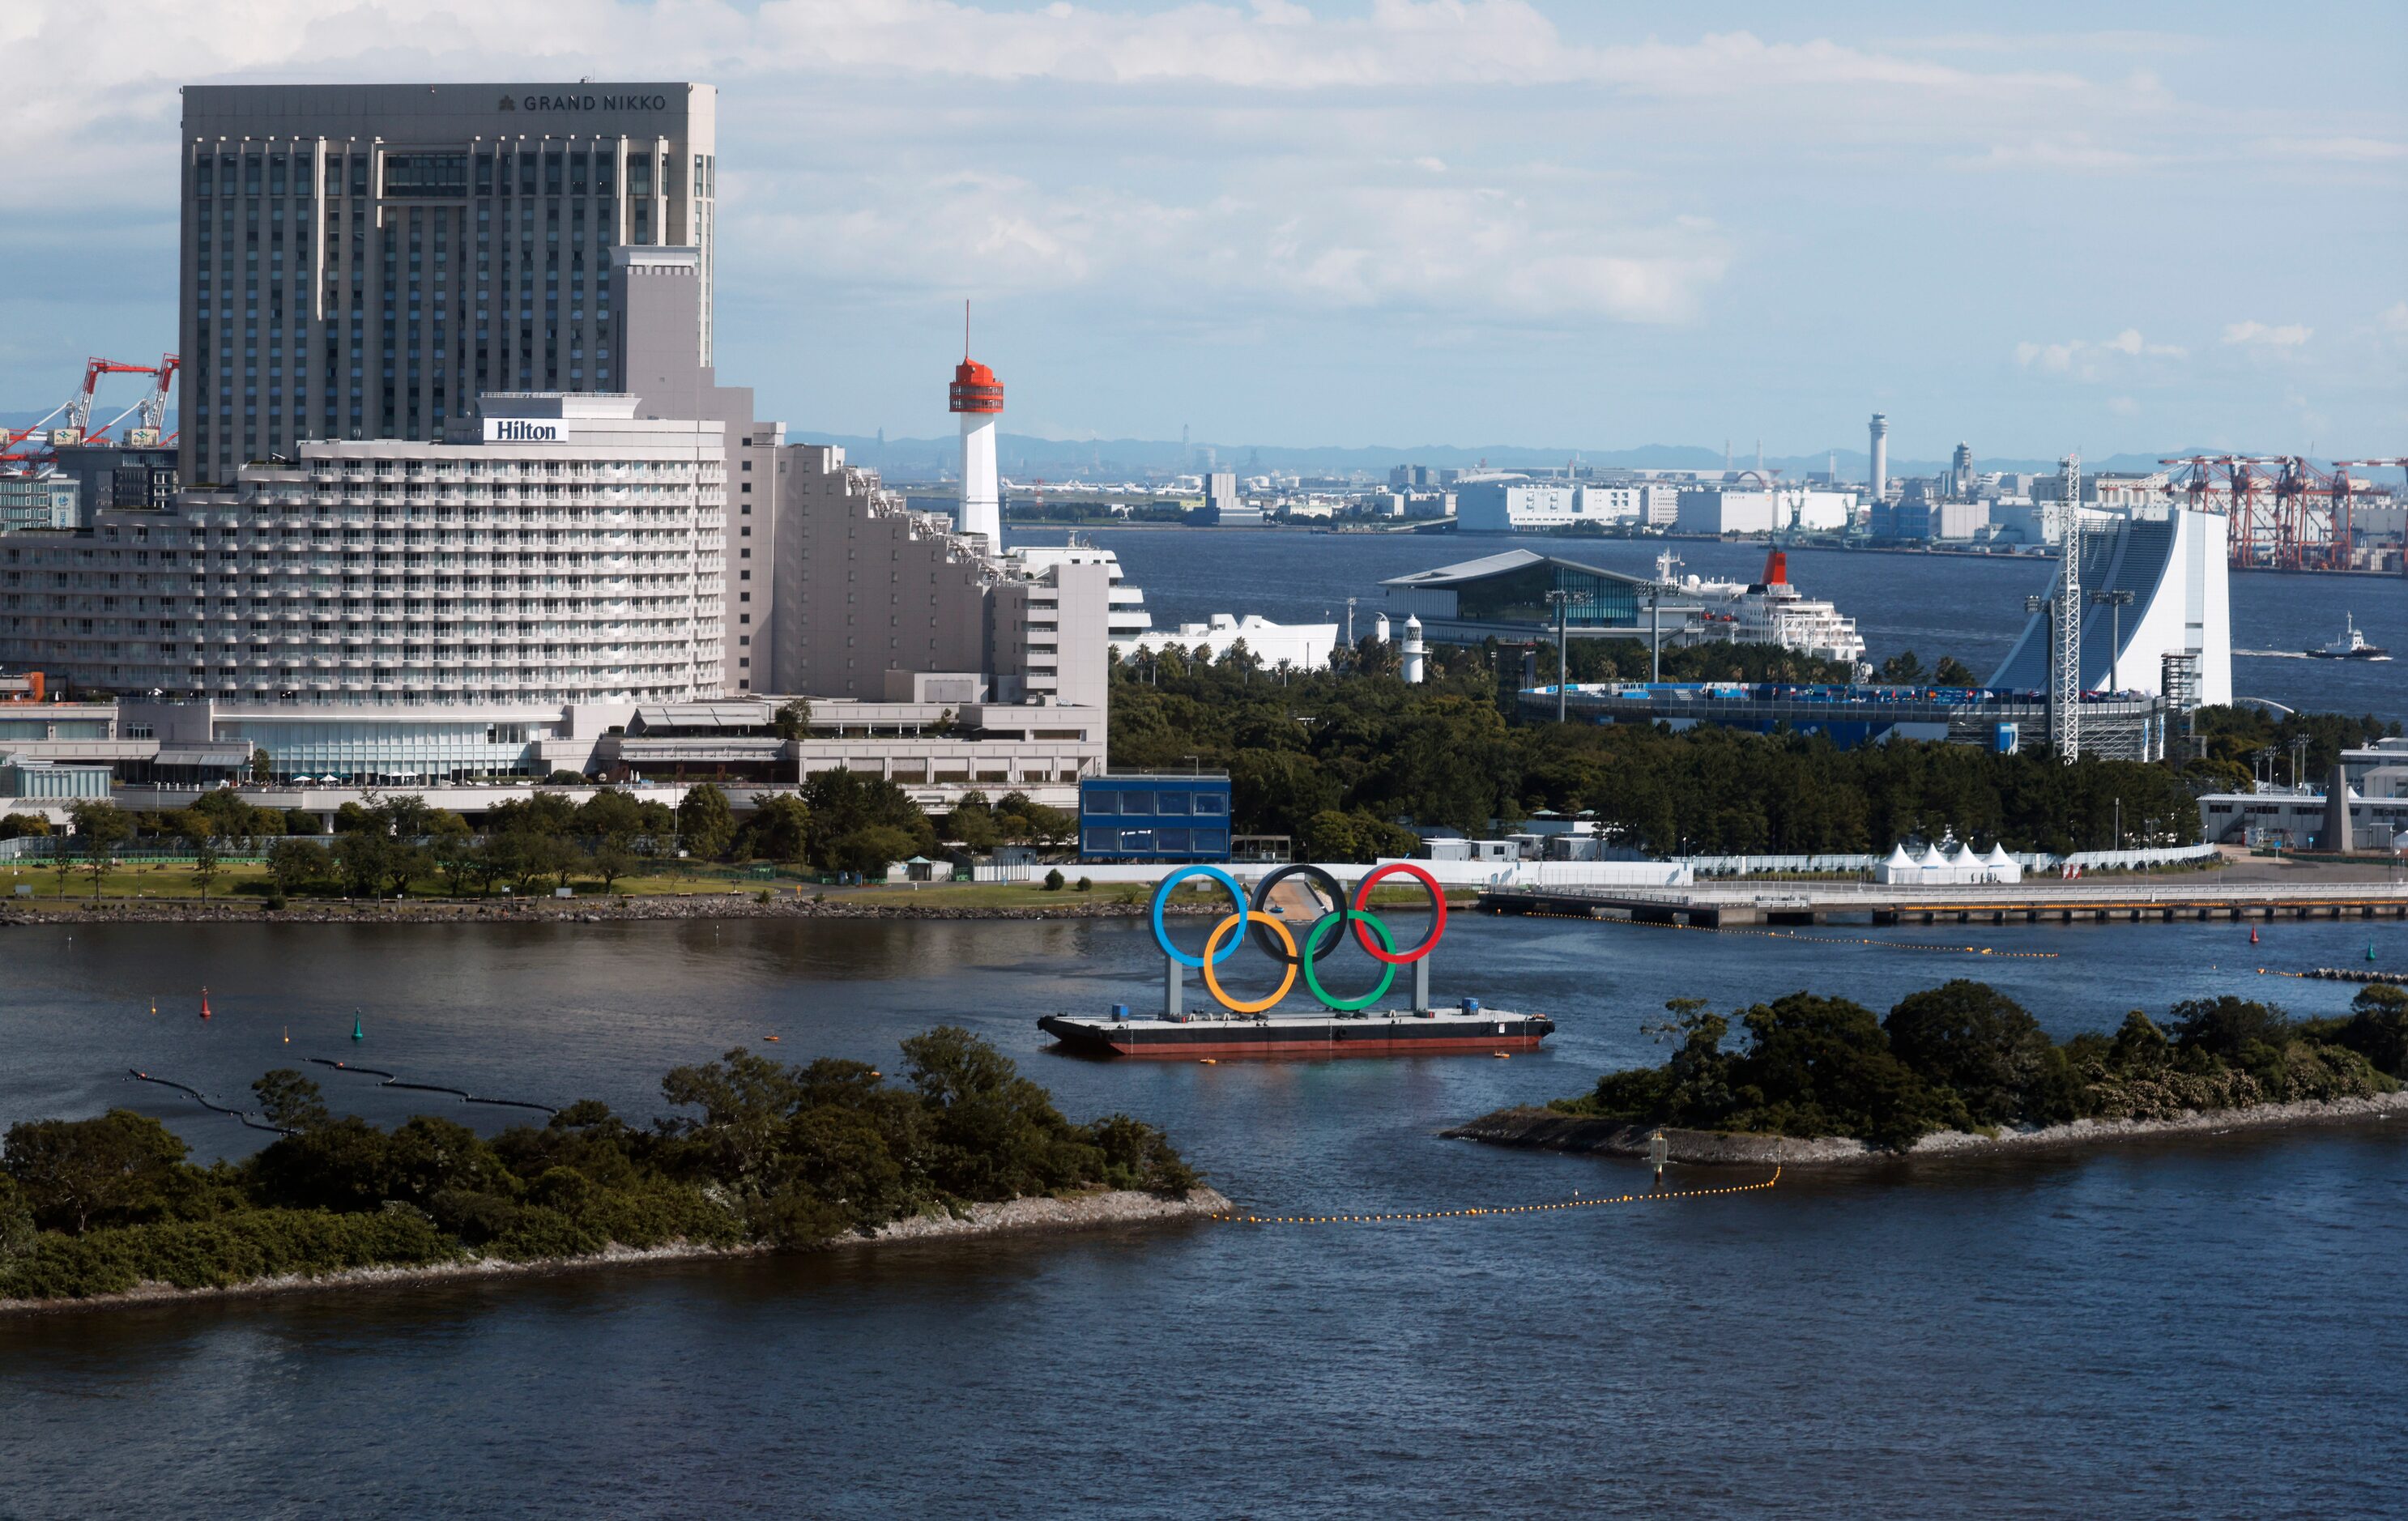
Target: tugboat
(2352, 645)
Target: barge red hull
(1227, 1040)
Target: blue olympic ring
(1162, 895)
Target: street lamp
(1561, 600)
(2117, 599)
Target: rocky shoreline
(1547, 1129)
(1012, 1217)
(559, 911)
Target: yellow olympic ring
(1212, 982)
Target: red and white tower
(976, 396)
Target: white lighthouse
(976, 396)
(1413, 652)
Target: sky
(1375, 222)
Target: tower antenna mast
(2065, 710)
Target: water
(2204, 1325)
(1966, 606)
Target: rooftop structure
(2172, 565)
(380, 255)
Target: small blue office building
(1132, 817)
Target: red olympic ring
(1438, 912)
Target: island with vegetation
(763, 1156)
(1821, 1079)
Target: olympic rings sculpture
(1270, 933)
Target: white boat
(2352, 645)
(1770, 611)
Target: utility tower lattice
(2065, 691)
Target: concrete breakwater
(1548, 1130)
(1011, 1217)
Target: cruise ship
(1770, 611)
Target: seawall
(1547, 1129)
(1009, 1217)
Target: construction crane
(2286, 513)
(151, 410)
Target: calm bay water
(1935, 605)
(2203, 1326)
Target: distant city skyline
(1349, 226)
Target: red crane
(151, 408)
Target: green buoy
(357, 1033)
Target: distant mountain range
(1024, 457)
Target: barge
(1466, 1030)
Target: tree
(300, 821)
(704, 823)
(610, 817)
(295, 864)
(1329, 836)
(99, 826)
(564, 778)
(63, 860)
(974, 823)
(359, 859)
(404, 863)
(20, 825)
(1972, 1037)
(844, 802)
(2378, 1028)
(204, 863)
(793, 720)
(76, 1173)
(779, 828)
(291, 1101)
(453, 847)
(1902, 669)
(2225, 1026)
(871, 850)
(611, 863)
(540, 814)
(1952, 671)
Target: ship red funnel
(1776, 568)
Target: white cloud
(1483, 253)
(2065, 150)
(2393, 319)
(2123, 406)
(2087, 360)
(2259, 334)
(2344, 149)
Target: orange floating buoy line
(1575, 1202)
(771, 1038)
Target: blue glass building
(1127, 817)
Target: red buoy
(205, 1003)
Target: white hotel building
(568, 553)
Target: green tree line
(1965, 1056)
(789, 1156)
(1342, 758)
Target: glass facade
(370, 750)
(1153, 818)
(1599, 598)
